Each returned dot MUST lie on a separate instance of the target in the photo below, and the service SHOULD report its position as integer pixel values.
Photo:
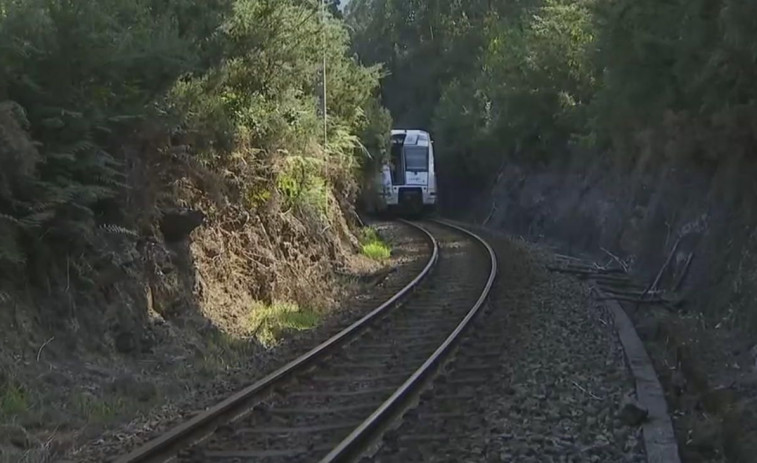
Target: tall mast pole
(325, 122)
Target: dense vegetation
(234, 86)
(643, 80)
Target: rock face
(639, 217)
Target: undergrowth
(270, 322)
(13, 400)
(373, 246)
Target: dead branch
(593, 396)
(491, 213)
(633, 299)
(611, 278)
(581, 271)
(359, 220)
(664, 267)
(563, 256)
(631, 293)
(595, 268)
(684, 272)
(616, 259)
(39, 352)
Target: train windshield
(416, 158)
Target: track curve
(330, 403)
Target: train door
(397, 160)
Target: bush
(238, 80)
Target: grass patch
(269, 322)
(13, 400)
(369, 235)
(377, 251)
(373, 246)
(100, 410)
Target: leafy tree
(533, 77)
(240, 79)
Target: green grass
(377, 250)
(368, 235)
(373, 246)
(100, 410)
(13, 400)
(269, 322)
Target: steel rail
(351, 446)
(200, 427)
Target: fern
(118, 230)
(9, 219)
(36, 220)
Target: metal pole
(325, 122)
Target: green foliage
(269, 322)
(13, 400)
(531, 78)
(100, 410)
(373, 246)
(302, 185)
(240, 80)
(376, 251)
(369, 234)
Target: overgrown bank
(167, 195)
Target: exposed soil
(91, 406)
(541, 377)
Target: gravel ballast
(541, 377)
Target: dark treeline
(643, 81)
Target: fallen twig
(637, 300)
(39, 352)
(581, 271)
(359, 220)
(631, 293)
(597, 269)
(491, 214)
(616, 259)
(563, 256)
(684, 272)
(589, 393)
(612, 278)
(664, 267)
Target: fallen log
(582, 271)
(633, 299)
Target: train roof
(413, 136)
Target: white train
(408, 181)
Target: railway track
(335, 401)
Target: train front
(409, 181)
